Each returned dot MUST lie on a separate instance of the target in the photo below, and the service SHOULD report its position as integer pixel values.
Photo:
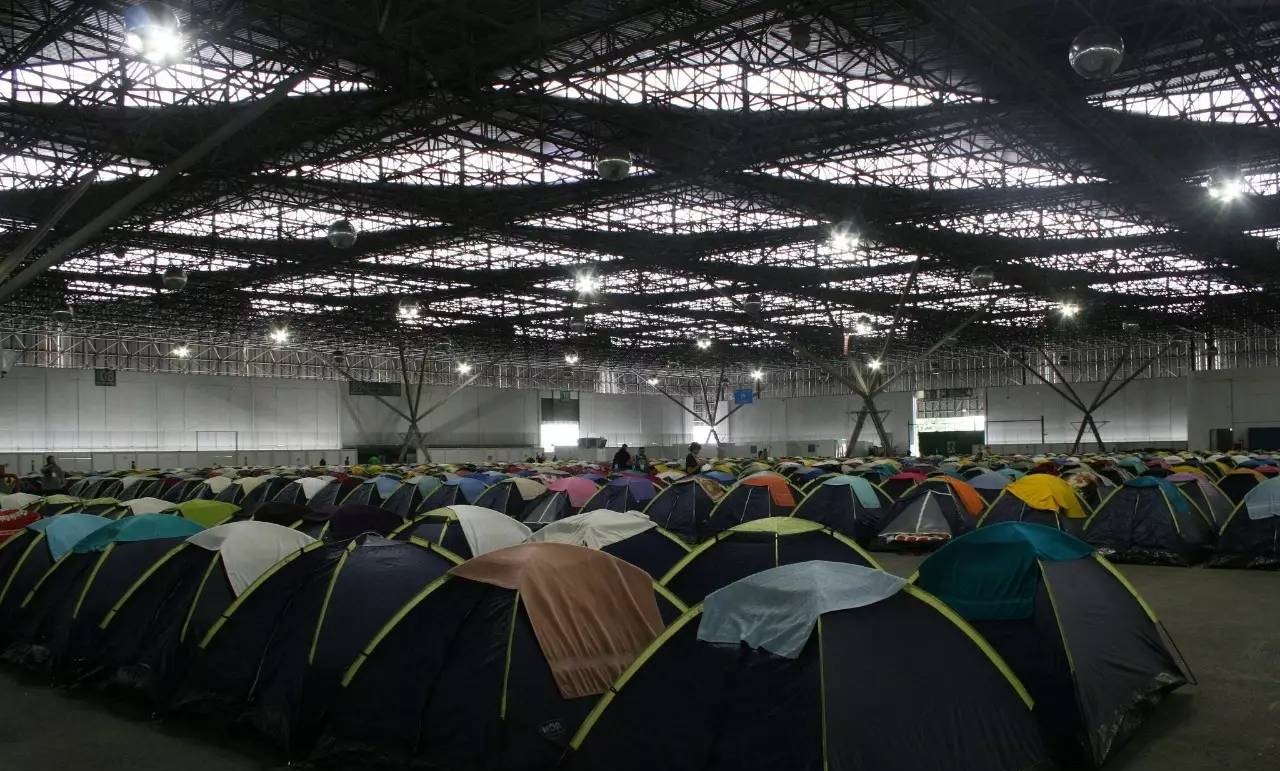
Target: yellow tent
(1047, 493)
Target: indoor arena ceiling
(844, 165)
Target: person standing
(53, 478)
(642, 461)
(621, 459)
(692, 463)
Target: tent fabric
(776, 610)
(595, 529)
(218, 483)
(149, 505)
(587, 638)
(861, 487)
(964, 492)
(528, 488)
(993, 572)
(487, 530)
(66, 530)
(578, 489)
(779, 488)
(428, 484)
(248, 548)
(249, 483)
(384, 484)
(1263, 501)
(143, 527)
(311, 485)
(206, 512)
(1047, 493)
(127, 482)
(18, 500)
(1176, 499)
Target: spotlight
(571, 358)
(182, 351)
(342, 234)
(1096, 53)
(613, 162)
(463, 368)
(653, 381)
(63, 315)
(752, 304)
(874, 363)
(1130, 326)
(154, 32)
(704, 343)
(1226, 187)
(757, 374)
(279, 335)
(586, 283)
(862, 326)
(174, 279)
(1068, 310)
(844, 236)
(982, 277)
(408, 310)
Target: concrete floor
(1227, 624)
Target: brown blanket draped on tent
(592, 613)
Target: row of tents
(463, 639)
(1182, 517)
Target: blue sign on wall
(743, 396)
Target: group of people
(622, 459)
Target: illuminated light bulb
(463, 368)
(757, 374)
(182, 351)
(279, 335)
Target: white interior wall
(796, 422)
(146, 416)
(471, 418)
(1238, 399)
(1145, 412)
(639, 420)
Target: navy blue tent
(1149, 520)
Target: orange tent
(779, 488)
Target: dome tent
(1205, 496)
(924, 517)
(629, 536)
(151, 629)
(281, 646)
(1041, 499)
(755, 546)
(467, 531)
(515, 497)
(1149, 520)
(847, 504)
(494, 664)
(30, 554)
(800, 667)
(1250, 537)
(60, 614)
(684, 507)
(763, 494)
(1090, 651)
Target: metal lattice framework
(460, 140)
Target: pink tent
(580, 490)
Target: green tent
(207, 513)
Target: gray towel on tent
(777, 609)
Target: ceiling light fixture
(653, 381)
(586, 283)
(874, 363)
(571, 358)
(757, 374)
(154, 32)
(704, 343)
(1096, 53)
(174, 278)
(1226, 187)
(279, 335)
(408, 310)
(341, 234)
(613, 162)
(463, 368)
(182, 351)
(1068, 310)
(844, 236)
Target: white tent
(248, 548)
(595, 529)
(149, 505)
